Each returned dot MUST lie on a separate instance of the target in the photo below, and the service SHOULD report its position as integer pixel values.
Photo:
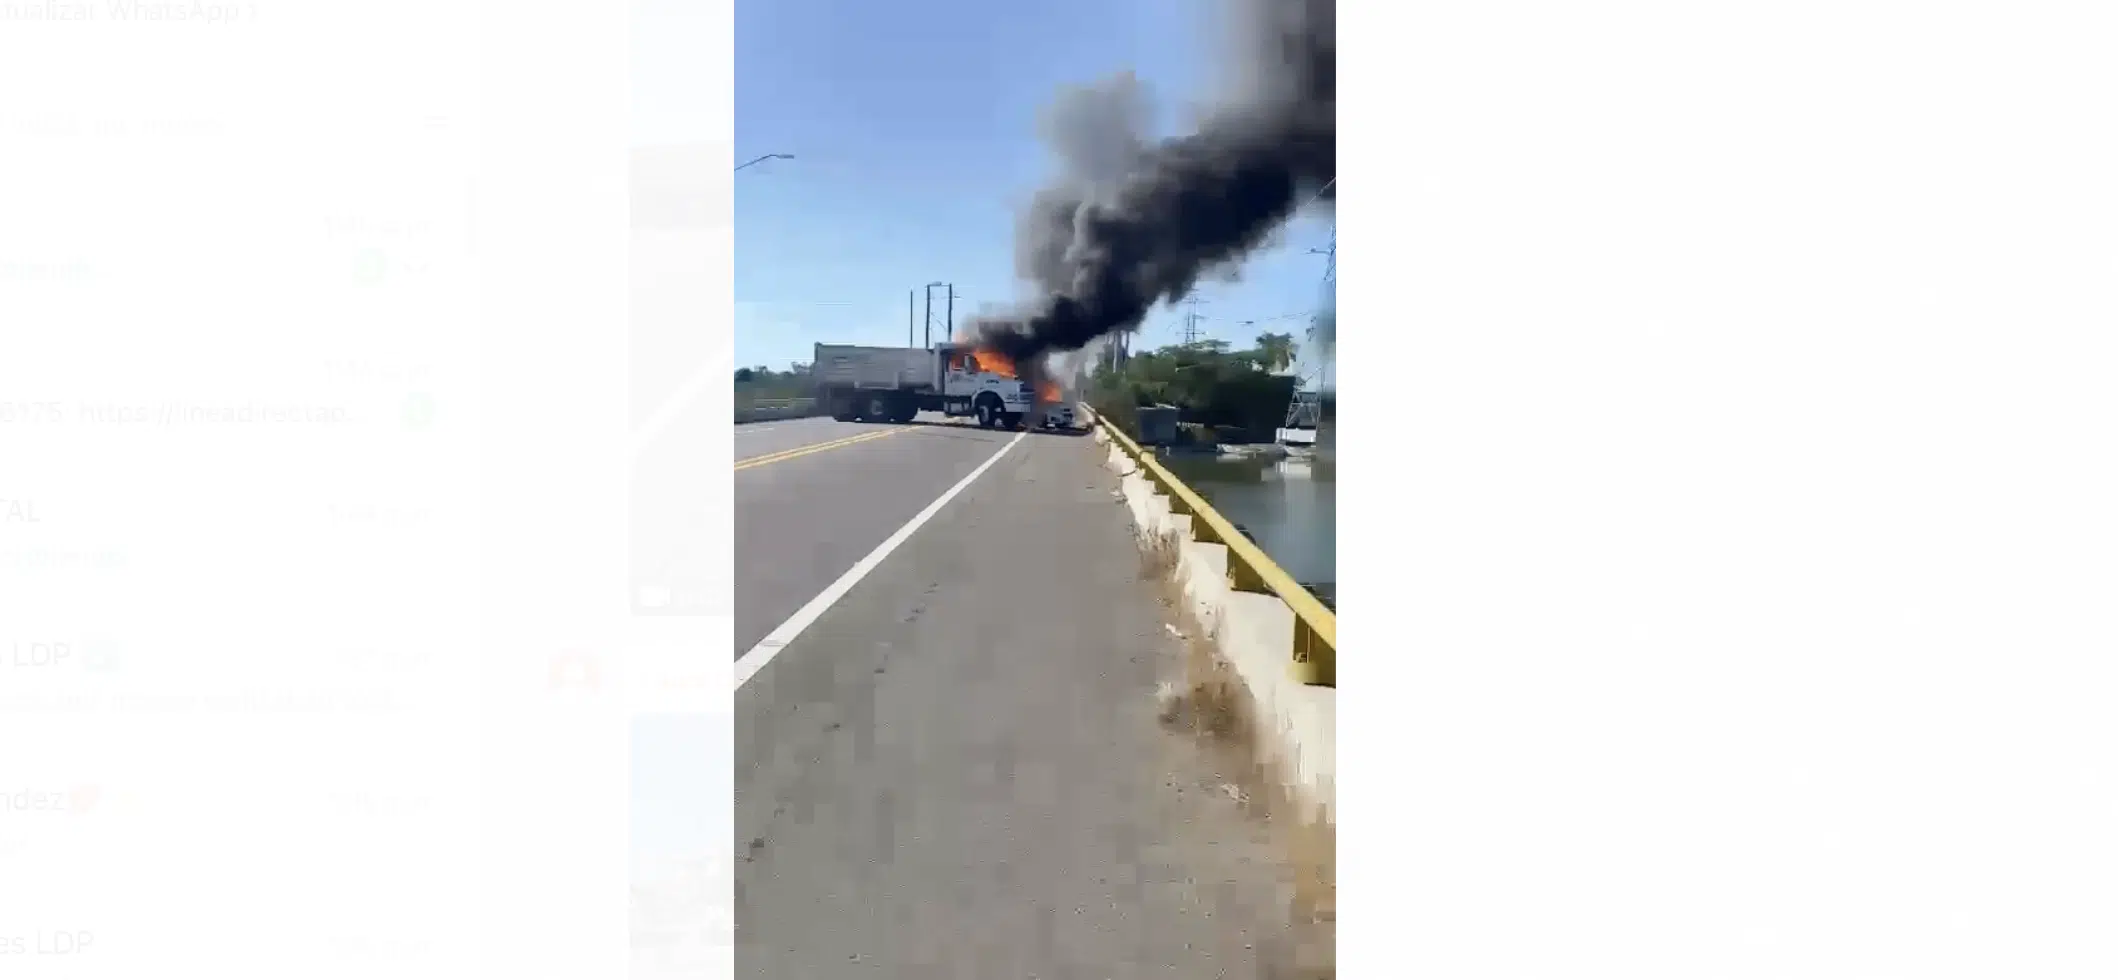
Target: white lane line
(758, 656)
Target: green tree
(1208, 384)
(1276, 350)
(744, 376)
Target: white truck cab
(993, 398)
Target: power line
(1319, 195)
(1289, 315)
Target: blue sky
(914, 130)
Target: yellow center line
(754, 461)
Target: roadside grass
(1206, 700)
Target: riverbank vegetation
(1221, 395)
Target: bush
(762, 384)
(1112, 400)
(1209, 385)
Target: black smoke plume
(1134, 223)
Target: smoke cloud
(1131, 223)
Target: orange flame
(994, 362)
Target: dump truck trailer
(895, 384)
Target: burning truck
(895, 384)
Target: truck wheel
(907, 410)
(879, 408)
(988, 414)
(1012, 420)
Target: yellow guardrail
(1315, 648)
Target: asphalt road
(809, 504)
(957, 769)
(762, 438)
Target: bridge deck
(958, 769)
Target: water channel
(1289, 506)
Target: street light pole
(762, 159)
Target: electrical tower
(1191, 320)
(1305, 412)
(1322, 327)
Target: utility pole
(1330, 254)
(1326, 341)
(911, 307)
(930, 313)
(952, 312)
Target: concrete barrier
(1255, 631)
